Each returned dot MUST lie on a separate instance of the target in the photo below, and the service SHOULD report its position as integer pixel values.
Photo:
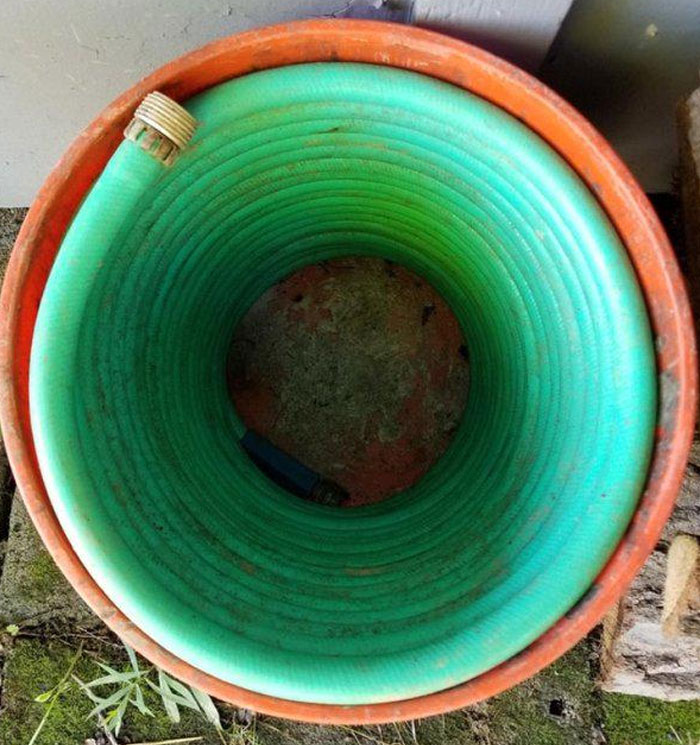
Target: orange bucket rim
(487, 76)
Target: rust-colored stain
(484, 75)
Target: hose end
(161, 127)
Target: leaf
(207, 706)
(57, 690)
(119, 715)
(111, 679)
(183, 690)
(12, 629)
(92, 696)
(132, 659)
(107, 668)
(189, 702)
(113, 676)
(169, 704)
(139, 702)
(121, 695)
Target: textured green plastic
(138, 440)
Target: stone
(10, 222)
(645, 654)
(689, 141)
(32, 589)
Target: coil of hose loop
(138, 441)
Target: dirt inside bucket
(356, 367)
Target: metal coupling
(161, 127)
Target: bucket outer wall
(487, 76)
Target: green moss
(41, 576)
(35, 666)
(522, 716)
(457, 728)
(518, 717)
(559, 706)
(634, 720)
(32, 589)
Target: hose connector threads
(161, 127)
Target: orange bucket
(483, 75)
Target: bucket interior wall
(137, 438)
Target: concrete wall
(626, 64)
(61, 61)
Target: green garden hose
(138, 441)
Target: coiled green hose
(138, 441)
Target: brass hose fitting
(161, 127)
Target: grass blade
(132, 659)
(112, 679)
(139, 702)
(207, 706)
(116, 698)
(177, 741)
(84, 688)
(109, 669)
(183, 691)
(169, 704)
(115, 722)
(59, 689)
(165, 691)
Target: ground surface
(47, 629)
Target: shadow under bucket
(450, 590)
